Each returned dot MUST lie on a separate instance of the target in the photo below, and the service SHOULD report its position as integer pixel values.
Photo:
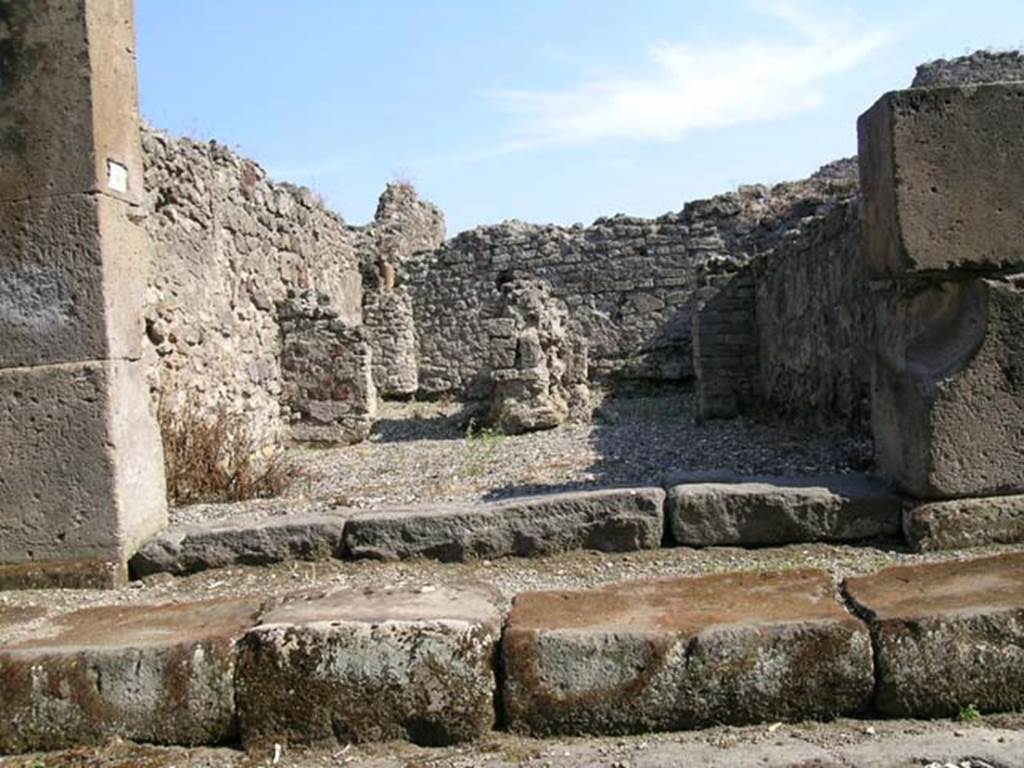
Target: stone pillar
(942, 175)
(81, 470)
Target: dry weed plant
(213, 455)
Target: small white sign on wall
(117, 176)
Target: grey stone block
(961, 523)
(947, 635)
(74, 280)
(683, 653)
(69, 102)
(371, 665)
(246, 540)
(767, 511)
(948, 388)
(82, 472)
(619, 520)
(162, 674)
(941, 173)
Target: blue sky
(542, 110)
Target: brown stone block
(948, 388)
(74, 277)
(82, 468)
(371, 665)
(942, 177)
(684, 653)
(162, 674)
(947, 635)
(68, 100)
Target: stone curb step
(753, 512)
(439, 665)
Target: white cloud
(702, 84)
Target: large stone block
(948, 388)
(782, 510)
(961, 523)
(619, 520)
(68, 99)
(942, 176)
(82, 472)
(243, 540)
(161, 674)
(947, 635)
(74, 279)
(371, 665)
(684, 653)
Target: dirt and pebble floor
(989, 742)
(422, 452)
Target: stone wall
(629, 283)
(814, 323)
(725, 348)
(790, 335)
(403, 225)
(228, 243)
(328, 392)
(978, 67)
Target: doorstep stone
(161, 674)
(683, 653)
(947, 635)
(785, 510)
(244, 540)
(615, 520)
(963, 523)
(329, 668)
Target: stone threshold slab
(769, 511)
(614, 520)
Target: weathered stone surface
(69, 102)
(948, 399)
(977, 67)
(328, 391)
(63, 574)
(961, 523)
(247, 540)
(74, 280)
(538, 361)
(374, 665)
(947, 635)
(765, 511)
(682, 653)
(618, 520)
(163, 674)
(941, 179)
(82, 469)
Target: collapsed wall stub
(941, 174)
(82, 482)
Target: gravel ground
(844, 743)
(420, 452)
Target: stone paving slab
(784, 510)
(946, 636)
(333, 667)
(244, 540)
(683, 653)
(963, 523)
(615, 520)
(161, 674)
